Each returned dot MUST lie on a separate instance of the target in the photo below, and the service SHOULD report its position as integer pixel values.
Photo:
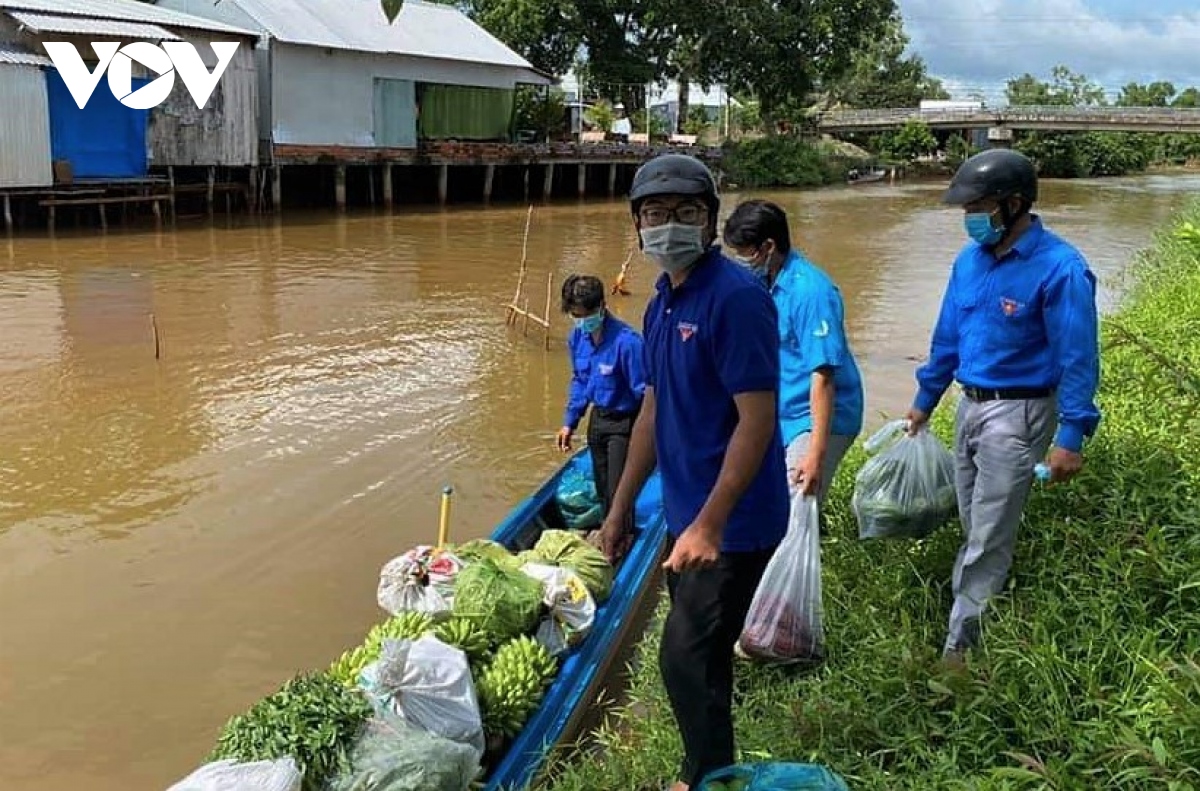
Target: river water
(179, 535)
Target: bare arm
(747, 446)
(821, 400)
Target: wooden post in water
(519, 306)
(154, 332)
(8, 216)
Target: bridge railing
(1180, 115)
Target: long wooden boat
(583, 670)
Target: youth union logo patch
(686, 330)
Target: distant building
(43, 130)
(337, 81)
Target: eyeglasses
(687, 213)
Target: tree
(780, 50)
(1156, 94)
(1066, 88)
(909, 142)
(881, 76)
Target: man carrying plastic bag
(785, 623)
(1018, 329)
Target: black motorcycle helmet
(675, 174)
(998, 173)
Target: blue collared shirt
(713, 337)
(812, 335)
(1028, 319)
(610, 375)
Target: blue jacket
(1028, 319)
(812, 335)
(610, 375)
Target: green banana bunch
(512, 684)
(467, 636)
(405, 626)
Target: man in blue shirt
(709, 419)
(1018, 329)
(606, 372)
(820, 387)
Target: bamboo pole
(618, 286)
(512, 306)
(154, 332)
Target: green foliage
(1088, 677)
(1087, 154)
(543, 112)
(909, 142)
(780, 161)
(882, 75)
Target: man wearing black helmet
(709, 421)
(1018, 330)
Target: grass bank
(1089, 675)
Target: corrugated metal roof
(90, 26)
(17, 57)
(426, 30)
(124, 10)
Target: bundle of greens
(313, 718)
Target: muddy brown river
(179, 535)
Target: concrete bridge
(1059, 119)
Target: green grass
(1089, 676)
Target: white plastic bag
(281, 774)
(572, 609)
(785, 622)
(420, 580)
(907, 489)
(428, 683)
(391, 755)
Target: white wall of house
(326, 97)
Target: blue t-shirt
(714, 336)
(609, 375)
(1027, 320)
(812, 335)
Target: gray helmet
(674, 174)
(996, 173)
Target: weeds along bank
(1089, 677)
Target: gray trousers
(835, 451)
(997, 444)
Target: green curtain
(466, 113)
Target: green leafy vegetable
(313, 718)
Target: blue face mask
(979, 227)
(590, 323)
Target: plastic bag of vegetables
(391, 755)
(906, 490)
(785, 622)
(503, 602)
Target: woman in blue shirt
(608, 374)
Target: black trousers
(708, 610)
(608, 442)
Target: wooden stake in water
(154, 332)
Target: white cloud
(976, 45)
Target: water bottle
(1041, 471)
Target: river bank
(1088, 677)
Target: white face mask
(673, 246)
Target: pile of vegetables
(341, 739)
(313, 718)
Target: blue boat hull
(584, 668)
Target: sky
(976, 45)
